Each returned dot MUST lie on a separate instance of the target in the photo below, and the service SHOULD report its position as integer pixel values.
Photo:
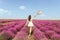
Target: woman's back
(30, 24)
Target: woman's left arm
(26, 23)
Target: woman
(30, 24)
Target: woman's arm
(26, 24)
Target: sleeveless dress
(30, 24)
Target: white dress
(30, 24)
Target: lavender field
(43, 29)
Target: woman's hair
(29, 17)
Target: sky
(20, 9)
